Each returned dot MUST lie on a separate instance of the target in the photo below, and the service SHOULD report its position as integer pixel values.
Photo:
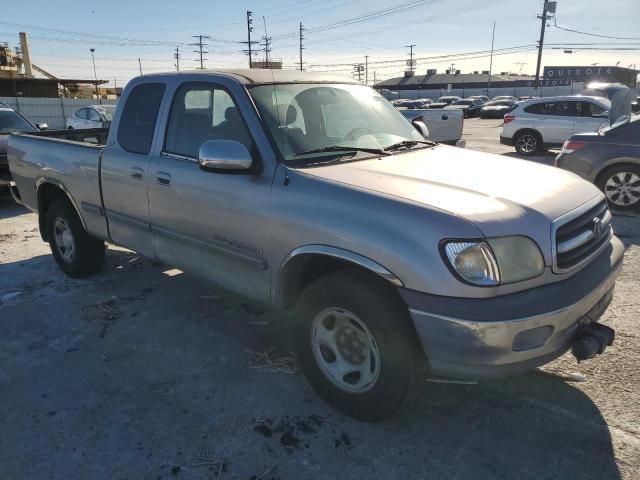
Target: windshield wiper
(342, 148)
(408, 144)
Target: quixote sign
(580, 74)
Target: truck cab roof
(263, 76)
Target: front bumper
(473, 338)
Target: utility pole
(374, 77)
(267, 43)
(522, 64)
(95, 75)
(201, 51)
(177, 57)
(358, 68)
(366, 69)
(249, 43)
(411, 64)
(493, 37)
(548, 7)
(140, 65)
(301, 48)
(115, 87)
(453, 65)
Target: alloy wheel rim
(527, 143)
(623, 189)
(65, 243)
(345, 350)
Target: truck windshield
(328, 119)
(10, 121)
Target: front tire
(527, 143)
(354, 341)
(77, 253)
(621, 186)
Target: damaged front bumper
(474, 338)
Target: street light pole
(95, 75)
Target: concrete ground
(142, 372)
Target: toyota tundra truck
(390, 256)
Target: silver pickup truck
(392, 256)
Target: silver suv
(539, 124)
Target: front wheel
(527, 143)
(621, 186)
(77, 253)
(355, 344)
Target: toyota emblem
(598, 227)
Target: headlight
(496, 260)
(474, 262)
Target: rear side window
(563, 109)
(138, 119)
(82, 113)
(588, 109)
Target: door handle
(136, 172)
(163, 178)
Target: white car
(542, 123)
(92, 116)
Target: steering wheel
(356, 133)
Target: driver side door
(212, 223)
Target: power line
(593, 34)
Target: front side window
(303, 118)
(93, 115)
(202, 112)
(138, 120)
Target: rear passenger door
(554, 120)
(211, 223)
(589, 117)
(125, 165)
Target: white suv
(541, 123)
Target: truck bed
(67, 159)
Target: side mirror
(421, 127)
(224, 155)
(42, 126)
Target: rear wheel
(76, 253)
(527, 143)
(621, 186)
(354, 341)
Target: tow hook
(591, 340)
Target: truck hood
(501, 195)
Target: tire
(527, 143)
(69, 128)
(621, 186)
(76, 253)
(350, 309)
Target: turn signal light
(509, 119)
(571, 146)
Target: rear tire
(527, 143)
(76, 253)
(354, 342)
(621, 186)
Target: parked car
(470, 106)
(442, 126)
(11, 121)
(496, 108)
(484, 98)
(543, 123)
(392, 255)
(418, 103)
(444, 101)
(610, 158)
(93, 116)
(635, 105)
(525, 97)
(504, 97)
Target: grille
(582, 236)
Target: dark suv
(10, 121)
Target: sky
(338, 34)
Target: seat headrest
(231, 114)
(292, 115)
